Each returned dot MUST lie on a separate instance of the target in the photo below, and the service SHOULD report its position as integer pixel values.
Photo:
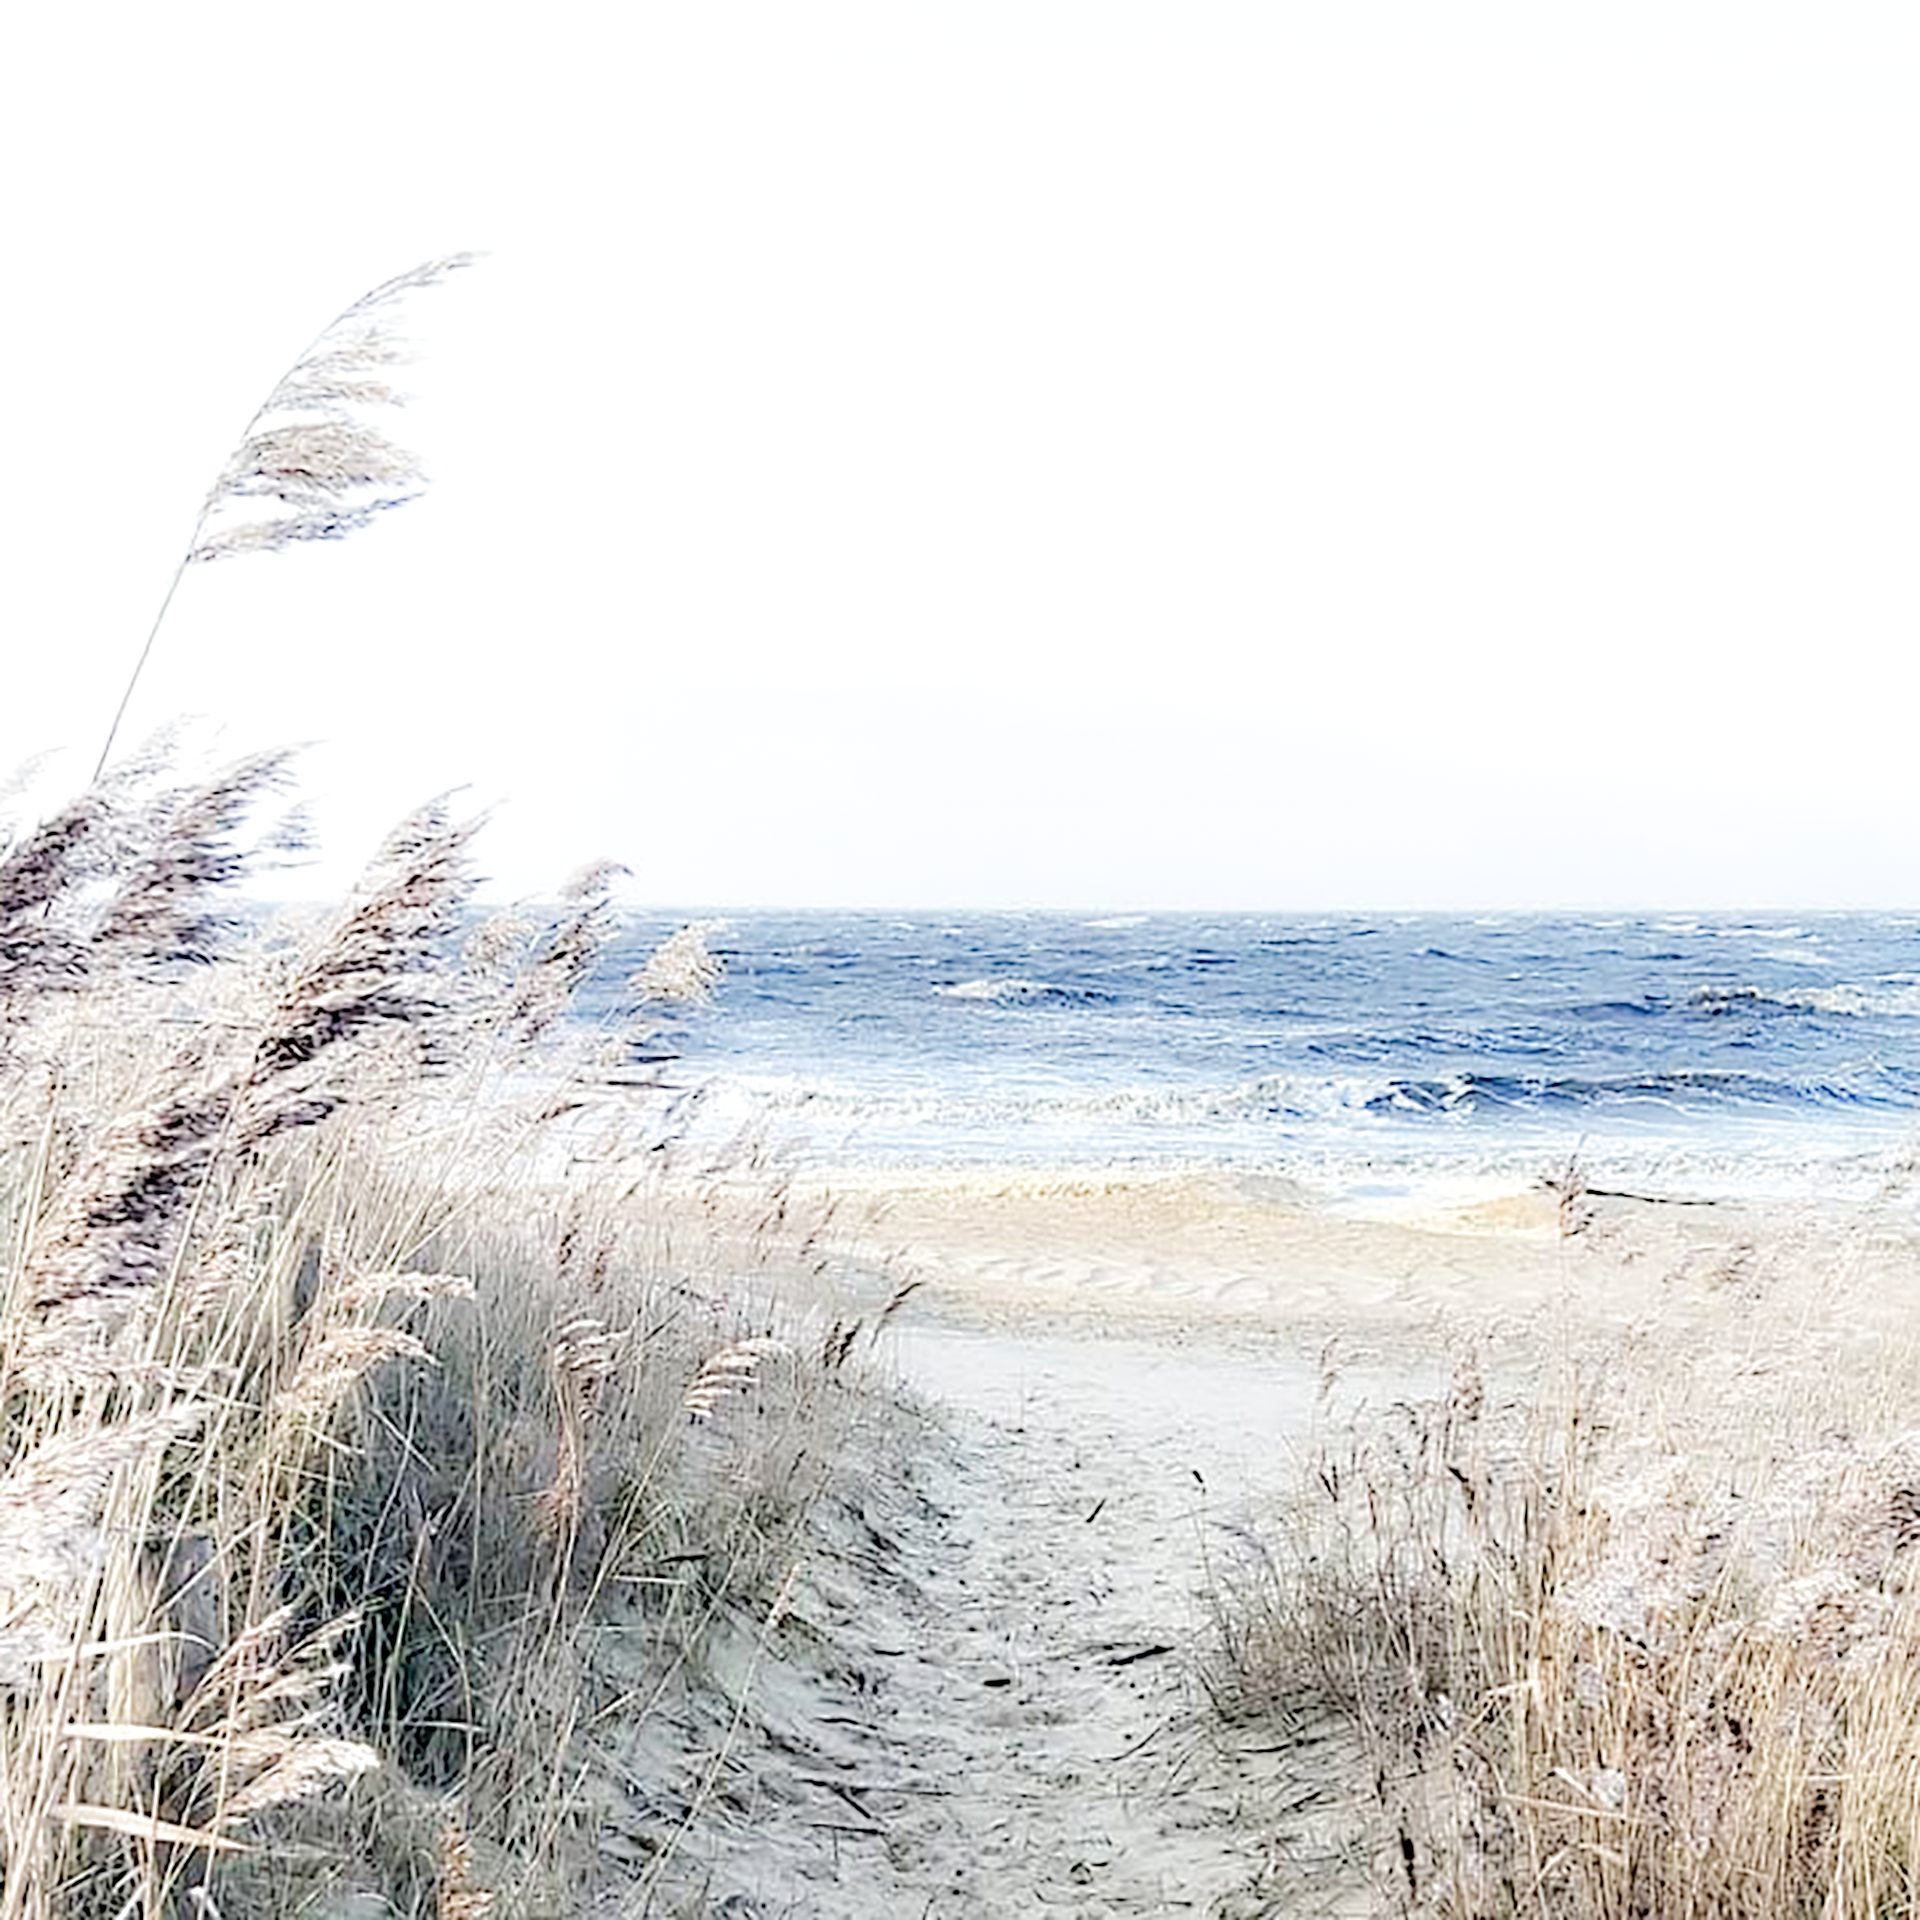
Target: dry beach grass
(1637, 1639)
(394, 1412)
(366, 1361)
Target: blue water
(1354, 1054)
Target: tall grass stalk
(308, 466)
(356, 1307)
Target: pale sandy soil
(985, 1702)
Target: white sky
(1290, 455)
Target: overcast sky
(1079, 455)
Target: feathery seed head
(309, 467)
(160, 914)
(564, 957)
(732, 1370)
(50, 1540)
(682, 967)
(335, 1365)
(303, 1766)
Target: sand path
(1061, 1605)
(1066, 1599)
(1011, 1725)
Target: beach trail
(1015, 1726)
(1066, 1604)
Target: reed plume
(40, 952)
(681, 968)
(108, 1236)
(562, 957)
(308, 466)
(162, 914)
(51, 1545)
(733, 1370)
(379, 969)
(585, 1355)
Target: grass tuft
(1585, 1674)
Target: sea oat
(335, 1366)
(303, 1766)
(493, 948)
(584, 1354)
(160, 914)
(108, 1236)
(730, 1371)
(308, 450)
(258, 1721)
(370, 1290)
(681, 968)
(50, 1540)
(257, 1675)
(563, 956)
(375, 971)
(38, 954)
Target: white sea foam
(1899, 998)
(997, 990)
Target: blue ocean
(1362, 1057)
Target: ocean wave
(1749, 1002)
(1272, 1096)
(1016, 991)
(1680, 1089)
(1895, 999)
(1892, 998)
(1305, 1102)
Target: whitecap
(997, 990)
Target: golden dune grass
(1589, 1674)
(354, 1305)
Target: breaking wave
(1016, 992)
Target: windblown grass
(1589, 1671)
(391, 1404)
(368, 1364)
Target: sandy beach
(998, 1709)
